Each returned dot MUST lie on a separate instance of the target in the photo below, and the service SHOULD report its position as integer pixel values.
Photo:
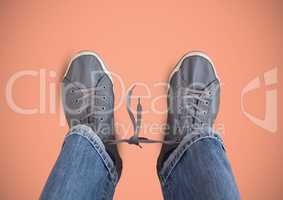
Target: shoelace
(195, 95)
(136, 122)
(89, 92)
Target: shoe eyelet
(101, 119)
(206, 102)
(103, 108)
(104, 86)
(72, 91)
(104, 97)
(204, 112)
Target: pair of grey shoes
(193, 101)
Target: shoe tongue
(196, 73)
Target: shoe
(88, 99)
(193, 100)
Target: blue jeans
(197, 170)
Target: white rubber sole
(193, 53)
(91, 53)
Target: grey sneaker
(193, 100)
(88, 99)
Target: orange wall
(141, 41)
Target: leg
(198, 170)
(83, 170)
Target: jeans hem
(99, 147)
(171, 162)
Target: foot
(193, 100)
(88, 99)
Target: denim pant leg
(198, 170)
(83, 170)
